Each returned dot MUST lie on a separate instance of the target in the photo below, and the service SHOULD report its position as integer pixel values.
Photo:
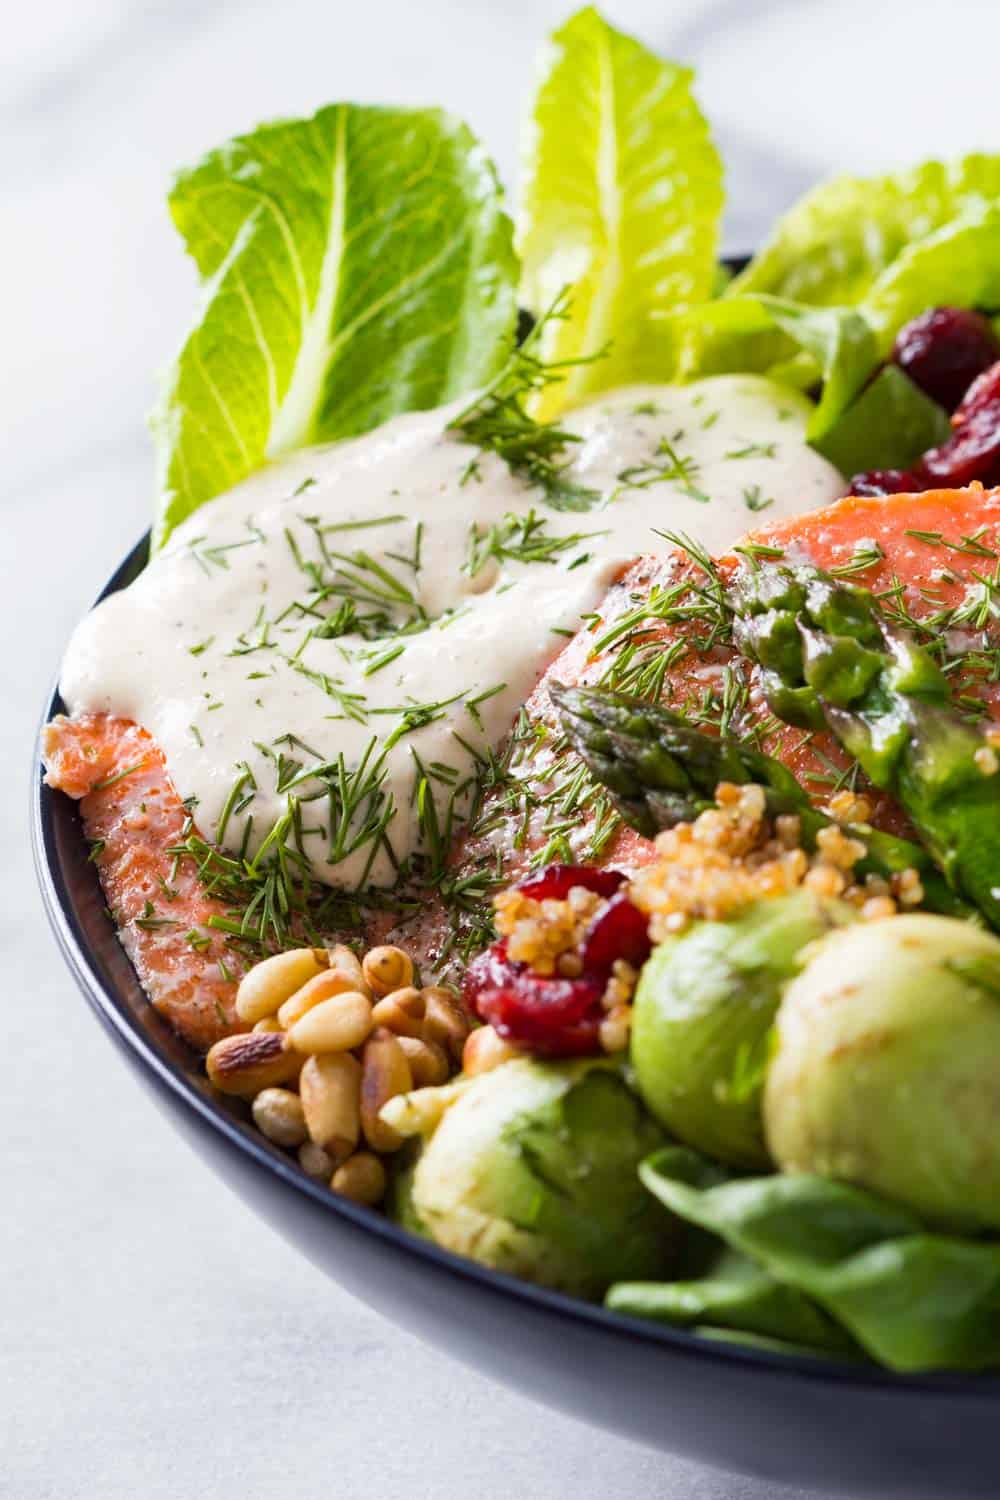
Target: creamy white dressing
(215, 650)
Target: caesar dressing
(328, 654)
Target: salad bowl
(842, 1428)
(702, 943)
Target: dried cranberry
(972, 452)
(984, 390)
(887, 482)
(555, 1017)
(555, 882)
(619, 931)
(943, 350)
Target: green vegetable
(831, 248)
(531, 1169)
(733, 1294)
(889, 425)
(834, 345)
(660, 771)
(958, 266)
(356, 265)
(621, 201)
(885, 1071)
(823, 645)
(912, 1300)
(702, 1020)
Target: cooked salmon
(924, 553)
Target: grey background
(155, 1340)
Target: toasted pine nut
(402, 1012)
(428, 1062)
(335, 1025)
(360, 1178)
(385, 1073)
(330, 982)
(387, 969)
(316, 1161)
(344, 958)
(445, 1022)
(278, 1114)
(329, 1088)
(268, 984)
(252, 1061)
(484, 1050)
(268, 1023)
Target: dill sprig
(498, 420)
(519, 538)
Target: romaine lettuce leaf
(621, 201)
(957, 266)
(790, 341)
(914, 1300)
(356, 265)
(831, 247)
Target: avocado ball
(702, 1015)
(532, 1170)
(886, 1073)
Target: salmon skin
(657, 632)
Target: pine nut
(402, 1012)
(347, 961)
(445, 1022)
(335, 1025)
(315, 1161)
(329, 1088)
(268, 984)
(484, 1050)
(252, 1061)
(385, 1073)
(279, 1115)
(321, 987)
(428, 1062)
(361, 1178)
(387, 969)
(269, 1023)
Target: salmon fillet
(923, 553)
(133, 817)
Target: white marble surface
(156, 1340)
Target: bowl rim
(116, 1018)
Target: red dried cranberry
(555, 1017)
(943, 350)
(619, 931)
(972, 452)
(887, 482)
(981, 392)
(555, 882)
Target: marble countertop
(157, 1340)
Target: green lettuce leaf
(621, 201)
(912, 1299)
(800, 345)
(888, 426)
(958, 266)
(832, 246)
(356, 265)
(734, 1293)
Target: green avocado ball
(887, 1068)
(532, 1170)
(703, 1012)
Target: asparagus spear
(828, 656)
(660, 770)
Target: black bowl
(837, 1426)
